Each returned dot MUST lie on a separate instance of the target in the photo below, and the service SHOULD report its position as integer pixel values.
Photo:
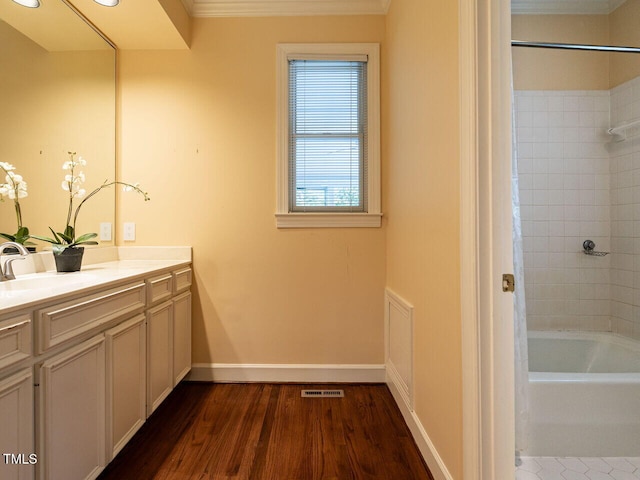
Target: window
(328, 138)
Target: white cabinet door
(71, 434)
(181, 336)
(159, 354)
(126, 382)
(16, 427)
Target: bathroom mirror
(57, 92)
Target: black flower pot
(69, 260)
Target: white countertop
(29, 289)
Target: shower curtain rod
(571, 46)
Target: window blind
(327, 135)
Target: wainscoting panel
(398, 316)
(398, 338)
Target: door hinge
(508, 282)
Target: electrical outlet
(105, 231)
(129, 232)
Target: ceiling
(140, 24)
(167, 24)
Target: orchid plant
(73, 184)
(14, 188)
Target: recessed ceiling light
(28, 3)
(108, 3)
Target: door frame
(486, 244)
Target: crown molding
(265, 8)
(563, 7)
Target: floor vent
(322, 393)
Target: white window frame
(371, 218)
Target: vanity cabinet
(126, 382)
(160, 354)
(15, 339)
(181, 336)
(168, 333)
(16, 433)
(80, 375)
(67, 321)
(71, 429)
(16, 397)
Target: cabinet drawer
(159, 288)
(15, 339)
(62, 322)
(181, 280)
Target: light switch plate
(105, 231)
(129, 232)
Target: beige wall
(545, 69)
(623, 25)
(422, 204)
(198, 129)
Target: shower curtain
(520, 312)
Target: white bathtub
(584, 395)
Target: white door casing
(486, 244)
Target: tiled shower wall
(576, 183)
(625, 212)
(564, 181)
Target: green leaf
(44, 239)
(11, 238)
(67, 239)
(55, 235)
(58, 249)
(87, 242)
(69, 232)
(85, 237)
(22, 236)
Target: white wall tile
(565, 182)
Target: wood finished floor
(268, 432)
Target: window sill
(328, 220)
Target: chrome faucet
(7, 272)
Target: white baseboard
(231, 372)
(425, 445)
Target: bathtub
(584, 395)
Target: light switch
(129, 232)
(105, 231)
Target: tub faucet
(7, 272)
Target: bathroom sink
(37, 281)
